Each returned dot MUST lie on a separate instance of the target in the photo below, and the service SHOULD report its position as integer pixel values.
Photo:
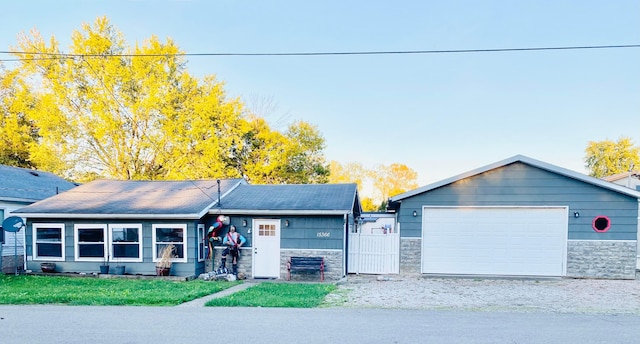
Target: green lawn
(25, 289)
(28, 289)
(292, 295)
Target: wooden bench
(305, 264)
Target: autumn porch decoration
(163, 266)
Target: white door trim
(265, 249)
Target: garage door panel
(495, 240)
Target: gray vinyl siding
(147, 266)
(519, 184)
(302, 232)
(12, 240)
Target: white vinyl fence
(374, 253)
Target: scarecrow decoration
(214, 231)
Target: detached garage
(519, 217)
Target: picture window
(126, 242)
(48, 241)
(90, 242)
(166, 234)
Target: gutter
(23, 200)
(107, 216)
(217, 211)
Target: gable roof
(325, 199)
(525, 160)
(27, 186)
(134, 199)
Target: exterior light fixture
(244, 223)
(415, 213)
(576, 214)
(286, 223)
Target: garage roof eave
(529, 161)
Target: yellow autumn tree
(375, 186)
(18, 135)
(109, 109)
(353, 172)
(390, 180)
(304, 159)
(605, 158)
(368, 204)
(109, 105)
(350, 172)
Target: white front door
(266, 248)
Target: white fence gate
(374, 253)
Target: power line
(390, 52)
(34, 59)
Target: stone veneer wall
(410, 255)
(244, 261)
(332, 264)
(601, 259)
(585, 258)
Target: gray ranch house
(128, 223)
(20, 187)
(519, 217)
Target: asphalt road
(96, 325)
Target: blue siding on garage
(519, 184)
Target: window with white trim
(201, 242)
(165, 234)
(48, 241)
(125, 242)
(90, 242)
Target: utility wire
(391, 52)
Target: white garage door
(523, 241)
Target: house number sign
(323, 234)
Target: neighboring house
(129, 222)
(520, 217)
(20, 187)
(628, 179)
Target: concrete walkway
(201, 301)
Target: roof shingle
(116, 197)
(26, 185)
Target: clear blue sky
(440, 114)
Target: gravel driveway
(594, 296)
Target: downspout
(219, 204)
(397, 230)
(345, 245)
(638, 238)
